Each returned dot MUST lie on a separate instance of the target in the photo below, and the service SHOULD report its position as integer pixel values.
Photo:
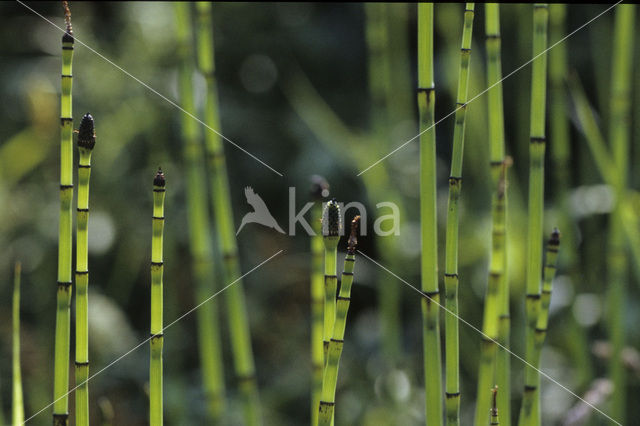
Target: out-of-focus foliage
(262, 50)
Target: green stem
(530, 412)
(317, 296)
(157, 270)
(86, 142)
(451, 253)
(499, 205)
(65, 232)
(428, 218)
(221, 203)
(334, 350)
(200, 242)
(619, 135)
(17, 403)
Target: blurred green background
(300, 87)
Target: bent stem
(65, 234)
(428, 219)
(221, 204)
(451, 253)
(334, 351)
(86, 142)
(200, 243)
(17, 402)
(157, 270)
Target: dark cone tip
(353, 238)
(87, 132)
(68, 35)
(159, 179)
(319, 187)
(555, 237)
(331, 219)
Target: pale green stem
(17, 402)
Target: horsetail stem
(530, 414)
(499, 167)
(319, 190)
(331, 228)
(451, 254)
(200, 243)
(428, 218)
(619, 135)
(494, 407)
(86, 142)
(221, 203)
(17, 402)
(157, 270)
(65, 233)
(334, 352)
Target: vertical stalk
(495, 421)
(319, 190)
(334, 351)
(428, 218)
(17, 402)
(221, 202)
(86, 142)
(499, 205)
(619, 135)
(157, 270)
(200, 243)
(530, 412)
(331, 229)
(62, 344)
(451, 253)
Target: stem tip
(159, 179)
(331, 219)
(353, 238)
(87, 132)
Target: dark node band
(540, 6)
(504, 316)
(529, 388)
(157, 263)
(461, 104)
(538, 139)
(465, 50)
(496, 163)
(82, 210)
(230, 255)
(66, 186)
(541, 330)
(455, 179)
(495, 275)
(66, 120)
(60, 419)
(215, 155)
(66, 75)
(347, 273)
(469, 10)
(493, 36)
(82, 272)
(246, 378)
(64, 284)
(343, 298)
(487, 339)
(330, 276)
(544, 291)
(430, 294)
(337, 340)
(82, 364)
(328, 404)
(450, 275)
(84, 166)
(157, 217)
(426, 90)
(452, 394)
(158, 189)
(155, 335)
(67, 47)
(533, 296)
(349, 259)
(552, 249)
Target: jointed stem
(65, 232)
(221, 202)
(157, 269)
(451, 261)
(200, 243)
(428, 218)
(17, 402)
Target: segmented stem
(428, 218)
(494, 407)
(619, 135)
(65, 233)
(157, 270)
(17, 402)
(200, 242)
(451, 253)
(86, 142)
(221, 202)
(334, 350)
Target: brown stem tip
(87, 132)
(68, 35)
(159, 179)
(554, 240)
(494, 401)
(353, 238)
(319, 187)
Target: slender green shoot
(221, 205)
(17, 402)
(200, 240)
(319, 191)
(86, 142)
(495, 421)
(334, 352)
(157, 270)
(451, 254)
(65, 234)
(499, 166)
(428, 218)
(619, 137)
(530, 414)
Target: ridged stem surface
(317, 310)
(428, 219)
